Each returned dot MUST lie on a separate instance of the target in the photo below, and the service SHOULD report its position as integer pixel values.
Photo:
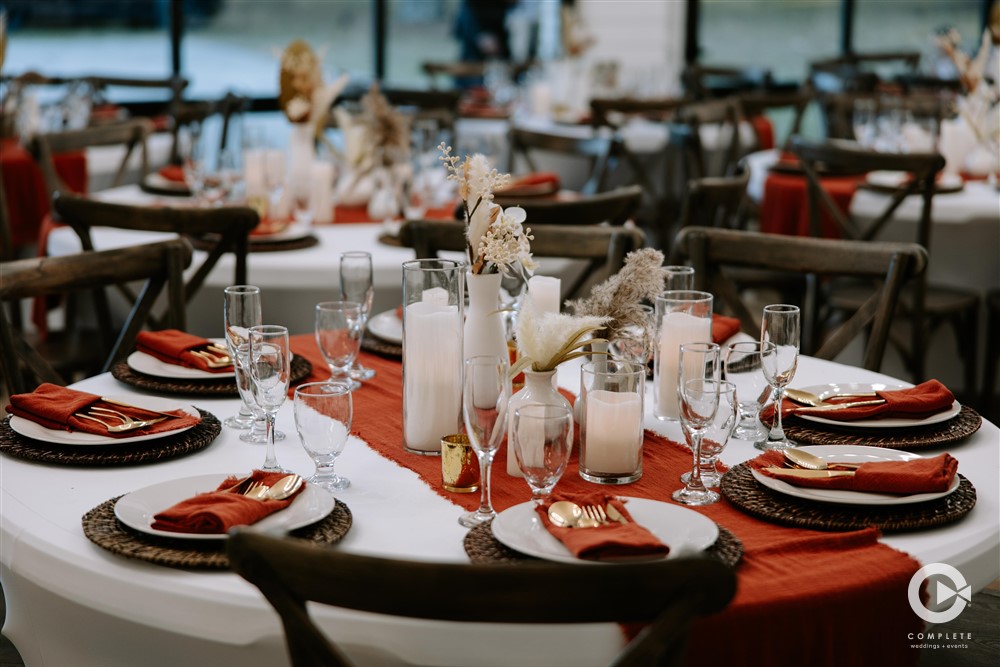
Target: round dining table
(71, 602)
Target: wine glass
(698, 391)
(338, 335)
(192, 154)
(323, 412)
(743, 368)
(485, 392)
(356, 285)
(542, 437)
(780, 327)
(717, 436)
(863, 120)
(270, 362)
(241, 310)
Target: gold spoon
(284, 487)
(566, 514)
(804, 459)
(809, 398)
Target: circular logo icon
(959, 591)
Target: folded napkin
(173, 173)
(924, 475)
(53, 407)
(724, 328)
(536, 184)
(615, 541)
(215, 512)
(924, 400)
(174, 347)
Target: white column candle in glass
(682, 316)
(432, 352)
(611, 423)
(545, 293)
(321, 193)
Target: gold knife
(842, 406)
(136, 407)
(809, 474)
(614, 514)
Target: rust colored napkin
(615, 541)
(724, 328)
(53, 407)
(924, 400)
(536, 184)
(174, 347)
(218, 511)
(173, 173)
(924, 475)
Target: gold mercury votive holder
(459, 464)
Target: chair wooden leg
(992, 358)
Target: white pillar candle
(437, 296)
(433, 370)
(545, 293)
(321, 193)
(255, 173)
(613, 431)
(676, 329)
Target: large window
(419, 31)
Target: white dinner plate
(684, 531)
(150, 365)
(387, 326)
(30, 429)
(292, 232)
(137, 509)
(826, 391)
(896, 179)
(853, 454)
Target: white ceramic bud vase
(539, 389)
(484, 323)
(301, 156)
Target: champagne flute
(698, 391)
(323, 412)
(542, 437)
(744, 369)
(717, 435)
(241, 312)
(270, 369)
(356, 285)
(485, 392)
(780, 327)
(338, 336)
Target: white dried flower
(506, 242)
(546, 340)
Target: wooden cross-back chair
(668, 594)
(131, 135)
(603, 246)
(160, 265)
(708, 81)
(191, 113)
(595, 150)
(614, 207)
(227, 227)
(926, 306)
(464, 69)
(714, 253)
(686, 132)
(763, 102)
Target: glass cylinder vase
(539, 388)
(682, 316)
(432, 352)
(611, 393)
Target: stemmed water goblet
(542, 437)
(323, 413)
(270, 372)
(780, 327)
(717, 435)
(338, 335)
(698, 394)
(485, 393)
(356, 285)
(744, 369)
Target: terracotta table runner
(805, 597)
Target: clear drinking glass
(356, 285)
(323, 413)
(864, 119)
(485, 392)
(698, 392)
(192, 154)
(780, 327)
(338, 335)
(682, 316)
(678, 277)
(635, 342)
(241, 310)
(542, 437)
(270, 370)
(717, 436)
(743, 368)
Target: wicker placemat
(375, 345)
(262, 244)
(224, 386)
(483, 548)
(172, 190)
(103, 529)
(958, 428)
(126, 453)
(749, 495)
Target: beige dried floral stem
(545, 340)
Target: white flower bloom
(544, 337)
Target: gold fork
(596, 513)
(211, 360)
(118, 428)
(125, 419)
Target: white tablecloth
(70, 602)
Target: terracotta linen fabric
(536, 184)
(218, 511)
(837, 598)
(724, 328)
(173, 172)
(358, 214)
(53, 407)
(919, 402)
(764, 130)
(174, 347)
(615, 541)
(784, 208)
(925, 475)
